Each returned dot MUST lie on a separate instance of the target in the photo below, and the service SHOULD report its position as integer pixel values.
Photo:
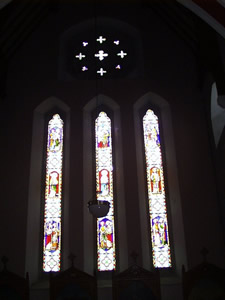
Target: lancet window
(53, 196)
(156, 192)
(106, 258)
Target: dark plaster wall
(170, 70)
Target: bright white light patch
(101, 72)
(101, 39)
(122, 54)
(80, 56)
(101, 55)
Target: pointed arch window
(156, 192)
(104, 191)
(53, 196)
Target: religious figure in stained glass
(53, 184)
(159, 228)
(53, 192)
(104, 192)
(103, 137)
(105, 234)
(55, 139)
(52, 230)
(156, 192)
(152, 137)
(155, 180)
(104, 182)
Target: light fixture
(98, 208)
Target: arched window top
(55, 129)
(53, 192)
(150, 116)
(103, 131)
(104, 191)
(156, 192)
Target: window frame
(47, 118)
(161, 108)
(110, 115)
(156, 112)
(35, 214)
(89, 176)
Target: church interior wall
(170, 70)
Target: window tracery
(109, 55)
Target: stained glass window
(156, 192)
(104, 192)
(53, 196)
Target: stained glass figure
(104, 192)
(104, 185)
(156, 192)
(53, 196)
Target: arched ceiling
(212, 12)
(3, 3)
(19, 18)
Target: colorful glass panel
(156, 192)
(104, 192)
(53, 196)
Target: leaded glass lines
(104, 192)
(53, 196)
(156, 192)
